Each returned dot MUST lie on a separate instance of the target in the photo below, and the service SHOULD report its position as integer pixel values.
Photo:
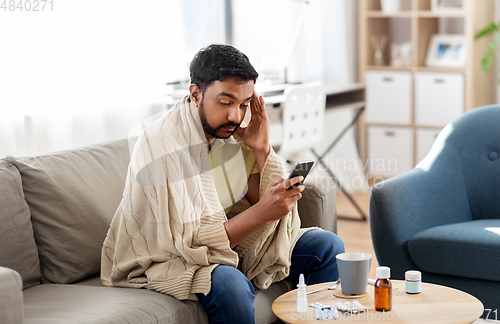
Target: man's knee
(329, 241)
(231, 298)
(336, 244)
(231, 282)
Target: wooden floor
(355, 234)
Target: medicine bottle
(383, 289)
(301, 295)
(413, 282)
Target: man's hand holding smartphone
(300, 169)
(282, 195)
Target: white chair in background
(302, 119)
(302, 125)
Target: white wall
(85, 72)
(327, 47)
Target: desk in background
(337, 97)
(340, 165)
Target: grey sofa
(443, 217)
(55, 211)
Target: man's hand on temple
(256, 134)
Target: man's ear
(195, 93)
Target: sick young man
(206, 214)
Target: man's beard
(213, 131)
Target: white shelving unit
(406, 107)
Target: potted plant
(493, 45)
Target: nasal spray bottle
(301, 295)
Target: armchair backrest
(472, 144)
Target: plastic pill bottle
(413, 282)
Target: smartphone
(300, 169)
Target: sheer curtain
(84, 73)
(89, 71)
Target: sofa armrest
(11, 296)
(318, 207)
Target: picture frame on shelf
(401, 54)
(446, 51)
(447, 5)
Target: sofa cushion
(469, 249)
(264, 301)
(62, 304)
(262, 304)
(73, 196)
(317, 207)
(17, 243)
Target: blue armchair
(443, 217)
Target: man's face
(223, 106)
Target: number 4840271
(455, 314)
(27, 5)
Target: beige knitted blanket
(168, 232)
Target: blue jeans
(231, 298)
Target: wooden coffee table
(435, 304)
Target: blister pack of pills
(352, 307)
(323, 312)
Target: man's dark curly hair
(219, 62)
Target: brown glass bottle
(383, 290)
